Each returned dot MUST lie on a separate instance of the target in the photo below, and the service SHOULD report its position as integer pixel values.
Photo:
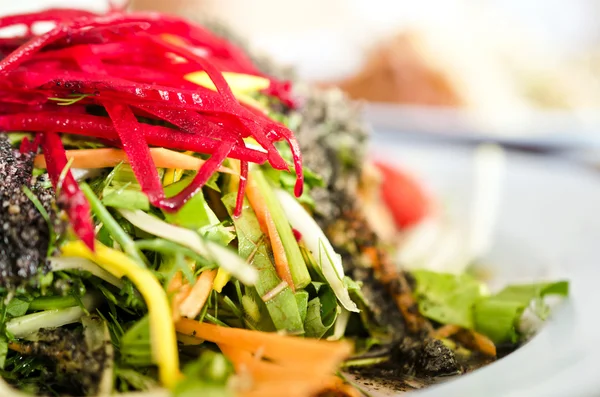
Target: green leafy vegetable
(322, 311)
(302, 301)
(132, 379)
(196, 214)
(458, 300)
(252, 245)
(136, 348)
(17, 307)
(207, 376)
(497, 316)
(122, 190)
(447, 298)
(171, 264)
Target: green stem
(215, 320)
(170, 248)
(113, 227)
(298, 268)
(53, 302)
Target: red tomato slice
(403, 195)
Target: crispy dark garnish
(23, 231)
(66, 363)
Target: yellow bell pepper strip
(174, 174)
(238, 82)
(162, 330)
(223, 277)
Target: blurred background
(521, 72)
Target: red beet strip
(73, 199)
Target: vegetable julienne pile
(186, 261)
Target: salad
(177, 220)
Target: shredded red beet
(69, 194)
(297, 234)
(239, 202)
(134, 66)
(30, 147)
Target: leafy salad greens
(161, 233)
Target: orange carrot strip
(262, 371)
(268, 227)
(258, 204)
(175, 283)
(108, 157)
(476, 341)
(273, 346)
(484, 344)
(446, 331)
(193, 304)
(268, 377)
(21, 348)
(179, 297)
(281, 263)
(177, 292)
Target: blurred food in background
(423, 67)
(402, 70)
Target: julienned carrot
(263, 371)
(258, 204)
(194, 302)
(268, 227)
(446, 331)
(471, 339)
(271, 379)
(178, 292)
(175, 283)
(281, 263)
(179, 297)
(107, 157)
(483, 344)
(273, 346)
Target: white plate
(549, 228)
(543, 129)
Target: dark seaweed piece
(24, 235)
(436, 359)
(333, 139)
(350, 235)
(413, 364)
(64, 363)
